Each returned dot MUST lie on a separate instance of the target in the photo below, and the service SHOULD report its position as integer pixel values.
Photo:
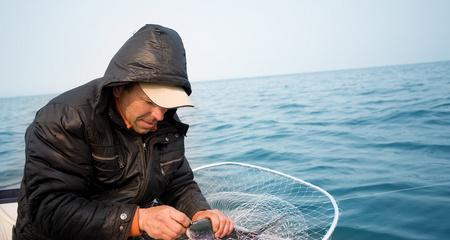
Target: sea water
(377, 139)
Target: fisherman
(106, 160)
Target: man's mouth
(149, 124)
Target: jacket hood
(154, 54)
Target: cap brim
(166, 96)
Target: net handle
(331, 198)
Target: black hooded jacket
(85, 172)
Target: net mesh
(267, 205)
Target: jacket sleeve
(58, 174)
(183, 192)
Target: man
(99, 156)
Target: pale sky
(52, 46)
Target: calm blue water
(377, 139)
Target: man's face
(137, 110)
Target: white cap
(166, 96)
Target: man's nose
(159, 112)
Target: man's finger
(215, 222)
(223, 228)
(222, 224)
(165, 236)
(230, 227)
(180, 218)
(173, 230)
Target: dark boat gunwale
(8, 195)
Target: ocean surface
(377, 139)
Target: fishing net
(265, 204)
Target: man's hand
(222, 225)
(163, 222)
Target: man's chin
(143, 127)
(145, 130)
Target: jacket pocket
(107, 164)
(170, 166)
(171, 155)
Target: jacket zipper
(144, 189)
(144, 185)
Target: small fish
(200, 230)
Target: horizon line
(321, 71)
(265, 76)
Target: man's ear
(117, 91)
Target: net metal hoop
(302, 182)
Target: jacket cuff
(134, 229)
(119, 221)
